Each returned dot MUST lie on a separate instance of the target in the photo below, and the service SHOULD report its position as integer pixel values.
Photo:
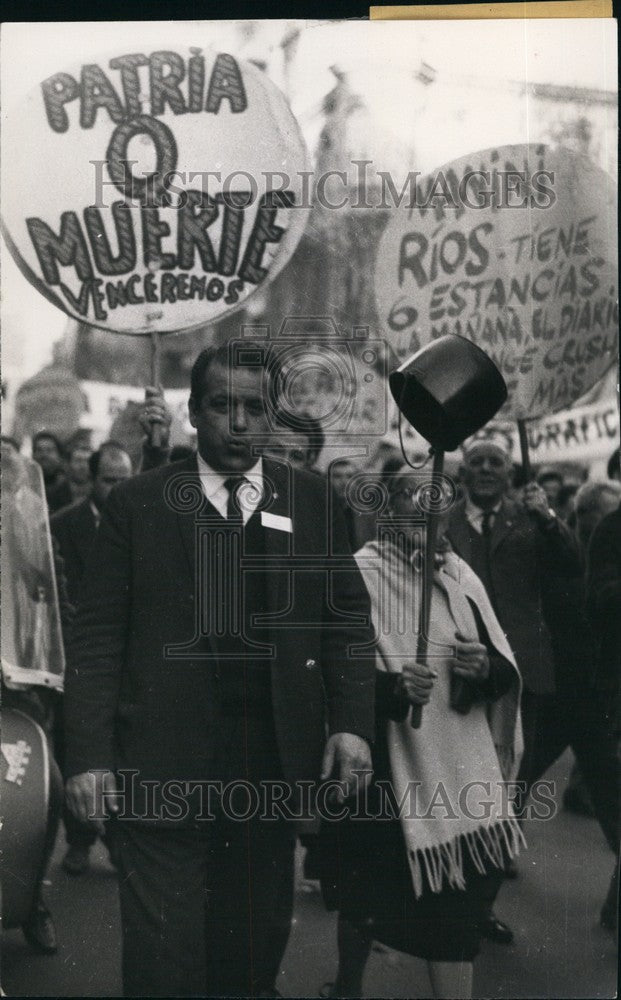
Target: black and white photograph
(311, 508)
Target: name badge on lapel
(277, 521)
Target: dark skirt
(365, 875)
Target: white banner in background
(104, 401)
(585, 435)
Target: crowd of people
(232, 618)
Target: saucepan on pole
(447, 391)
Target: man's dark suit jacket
(74, 529)
(58, 496)
(523, 559)
(603, 599)
(142, 685)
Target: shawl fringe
(442, 864)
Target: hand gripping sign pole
(172, 187)
(447, 391)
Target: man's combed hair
(214, 355)
(242, 354)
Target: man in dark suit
(603, 596)
(216, 641)
(74, 529)
(515, 548)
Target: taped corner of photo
(492, 11)
(152, 189)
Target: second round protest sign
(513, 248)
(155, 190)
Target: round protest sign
(154, 190)
(513, 248)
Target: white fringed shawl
(436, 762)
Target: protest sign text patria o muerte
(168, 246)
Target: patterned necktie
(234, 484)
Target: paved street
(553, 907)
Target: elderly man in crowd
(175, 681)
(514, 547)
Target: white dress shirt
(96, 513)
(212, 483)
(474, 515)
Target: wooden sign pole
(524, 450)
(430, 565)
(156, 380)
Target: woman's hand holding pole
(418, 680)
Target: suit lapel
(185, 494)
(192, 512)
(278, 544)
(86, 528)
(459, 533)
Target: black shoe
(39, 930)
(495, 930)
